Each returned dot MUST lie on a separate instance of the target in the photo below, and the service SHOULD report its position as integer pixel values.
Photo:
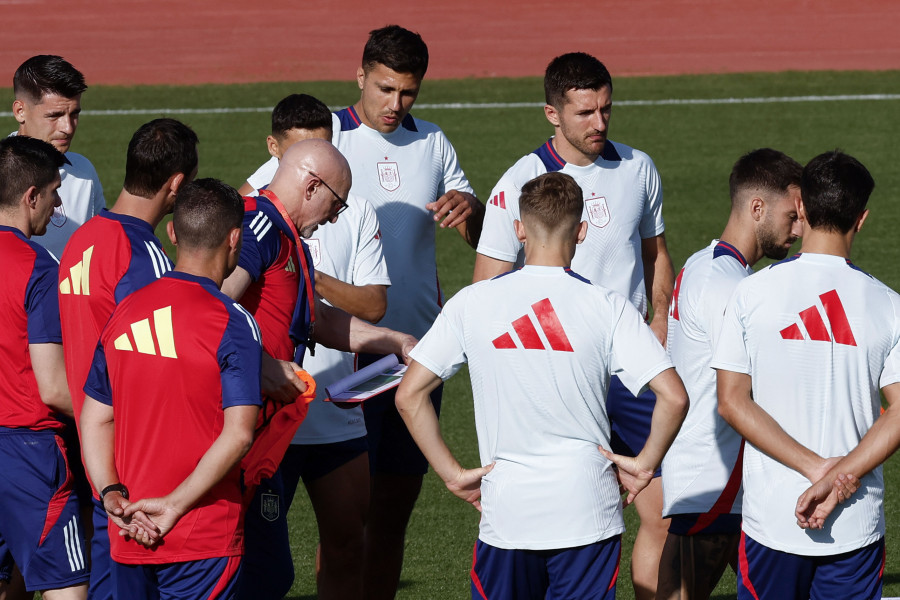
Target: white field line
(495, 105)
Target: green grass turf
(693, 147)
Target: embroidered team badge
(598, 211)
(389, 175)
(268, 507)
(315, 250)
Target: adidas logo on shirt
(529, 338)
(815, 325)
(143, 335)
(499, 200)
(78, 282)
(290, 267)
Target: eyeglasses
(343, 203)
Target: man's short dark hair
(398, 49)
(299, 111)
(26, 162)
(206, 210)
(158, 150)
(835, 189)
(573, 71)
(552, 200)
(47, 74)
(765, 169)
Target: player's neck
(200, 263)
(744, 240)
(827, 242)
(570, 153)
(151, 210)
(16, 219)
(539, 254)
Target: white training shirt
(622, 204)
(82, 198)
(349, 250)
(399, 173)
(700, 473)
(819, 338)
(541, 344)
(263, 176)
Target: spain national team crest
(268, 506)
(315, 250)
(389, 175)
(598, 211)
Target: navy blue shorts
(207, 579)
(268, 568)
(7, 564)
(630, 418)
(704, 523)
(39, 517)
(312, 461)
(102, 585)
(586, 572)
(764, 573)
(391, 448)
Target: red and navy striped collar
(554, 162)
(350, 120)
(726, 249)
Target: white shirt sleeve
(652, 223)
(454, 178)
(498, 235)
(369, 266)
(263, 175)
(731, 352)
(891, 372)
(637, 356)
(442, 349)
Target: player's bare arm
(50, 372)
(488, 268)
(367, 302)
(842, 480)
(415, 408)
(279, 381)
(737, 407)
(636, 473)
(659, 278)
(461, 210)
(229, 448)
(337, 329)
(98, 448)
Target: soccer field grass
(692, 144)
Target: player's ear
(30, 197)
(520, 230)
(757, 208)
(234, 240)
(582, 232)
(174, 183)
(170, 229)
(18, 109)
(360, 77)
(862, 219)
(552, 115)
(272, 145)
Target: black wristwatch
(116, 487)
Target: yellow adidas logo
(290, 267)
(79, 282)
(143, 336)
